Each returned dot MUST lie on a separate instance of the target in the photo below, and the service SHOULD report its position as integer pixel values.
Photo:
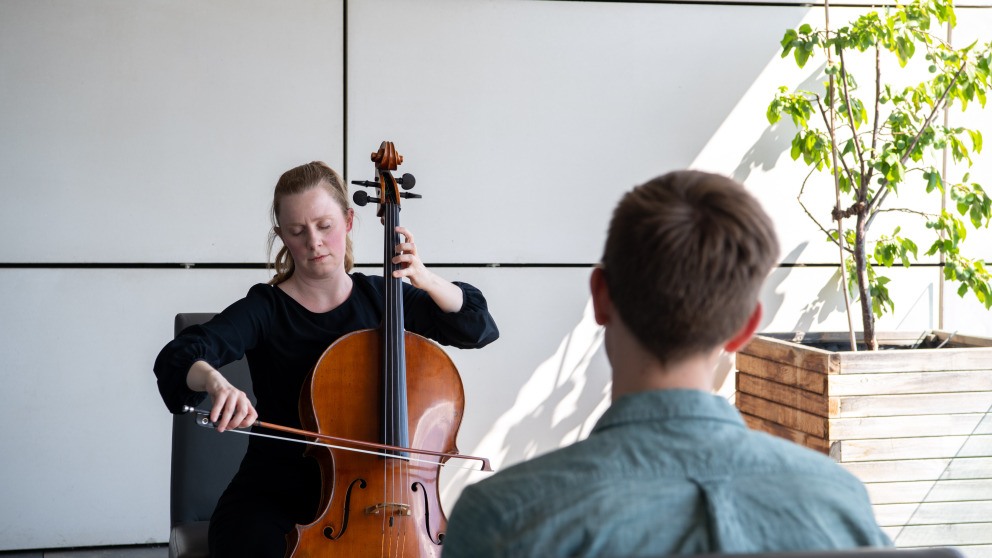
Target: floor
(160, 551)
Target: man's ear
(602, 306)
(746, 332)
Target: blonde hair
(297, 181)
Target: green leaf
(904, 50)
(845, 184)
(787, 41)
(848, 147)
(896, 173)
(976, 140)
(802, 55)
(933, 180)
(774, 113)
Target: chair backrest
(203, 460)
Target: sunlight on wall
(557, 406)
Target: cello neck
(394, 429)
(393, 426)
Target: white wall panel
(156, 130)
(86, 437)
(809, 299)
(524, 121)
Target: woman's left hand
(446, 295)
(409, 261)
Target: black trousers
(262, 505)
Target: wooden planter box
(914, 424)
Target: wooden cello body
(386, 386)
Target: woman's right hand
(232, 408)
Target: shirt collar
(668, 404)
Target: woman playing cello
(282, 328)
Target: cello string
(403, 473)
(401, 480)
(394, 366)
(388, 347)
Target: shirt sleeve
(222, 340)
(471, 327)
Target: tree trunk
(861, 268)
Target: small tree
(876, 147)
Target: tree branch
(814, 219)
(937, 107)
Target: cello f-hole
(329, 531)
(427, 515)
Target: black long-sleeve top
(283, 340)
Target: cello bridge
(388, 508)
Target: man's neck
(635, 369)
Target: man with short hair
(671, 468)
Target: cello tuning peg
(407, 181)
(409, 195)
(366, 183)
(361, 198)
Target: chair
(203, 463)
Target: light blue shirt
(665, 472)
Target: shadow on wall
(557, 406)
(772, 297)
(776, 139)
(828, 300)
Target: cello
(386, 388)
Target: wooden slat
(842, 338)
(917, 404)
(894, 515)
(802, 378)
(780, 393)
(896, 383)
(910, 426)
(898, 492)
(780, 414)
(929, 491)
(942, 535)
(807, 358)
(961, 340)
(921, 469)
(919, 360)
(916, 448)
(795, 436)
(969, 468)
